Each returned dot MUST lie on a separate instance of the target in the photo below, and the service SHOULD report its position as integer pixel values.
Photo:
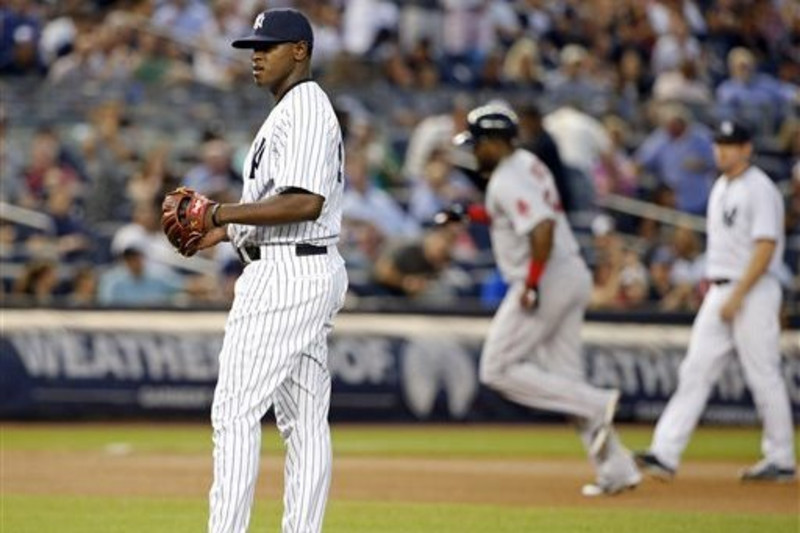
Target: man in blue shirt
(754, 96)
(133, 283)
(680, 155)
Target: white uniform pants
(754, 335)
(275, 353)
(535, 358)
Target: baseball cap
(278, 26)
(731, 132)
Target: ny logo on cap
(259, 21)
(727, 127)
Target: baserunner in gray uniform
(532, 354)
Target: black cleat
(769, 472)
(650, 464)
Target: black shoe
(650, 464)
(770, 472)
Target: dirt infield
(703, 486)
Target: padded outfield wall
(385, 367)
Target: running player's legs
(709, 347)
(756, 333)
(510, 359)
(301, 412)
(563, 356)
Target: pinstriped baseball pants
(275, 354)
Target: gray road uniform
(534, 357)
(740, 211)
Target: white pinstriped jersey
(299, 145)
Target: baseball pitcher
(285, 230)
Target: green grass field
(114, 515)
(22, 512)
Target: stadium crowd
(108, 103)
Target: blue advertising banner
(85, 370)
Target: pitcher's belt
(251, 253)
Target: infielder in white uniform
(285, 229)
(740, 314)
(533, 351)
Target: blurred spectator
(160, 61)
(420, 20)
(674, 47)
(631, 28)
(572, 82)
(615, 174)
(504, 24)
(595, 54)
(661, 13)
(110, 147)
(152, 177)
(364, 20)
(58, 36)
(753, 96)
(82, 291)
(144, 233)
(132, 282)
(328, 40)
(522, 64)
(660, 281)
(533, 137)
(366, 203)
(396, 69)
(79, 64)
(439, 188)
(467, 35)
(686, 271)
(435, 132)
(662, 196)
(620, 279)
(581, 139)
(46, 169)
(679, 154)
(423, 64)
(412, 268)
(186, 19)
(682, 85)
(12, 162)
(214, 176)
(37, 284)
(20, 52)
(72, 239)
(633, 84)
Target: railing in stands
(26, 217)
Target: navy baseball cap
(731, 132)
(278, 26)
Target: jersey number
(551, 197)
(257, 155)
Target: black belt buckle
(303, 249)
(248, 254)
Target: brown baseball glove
(183, 219)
